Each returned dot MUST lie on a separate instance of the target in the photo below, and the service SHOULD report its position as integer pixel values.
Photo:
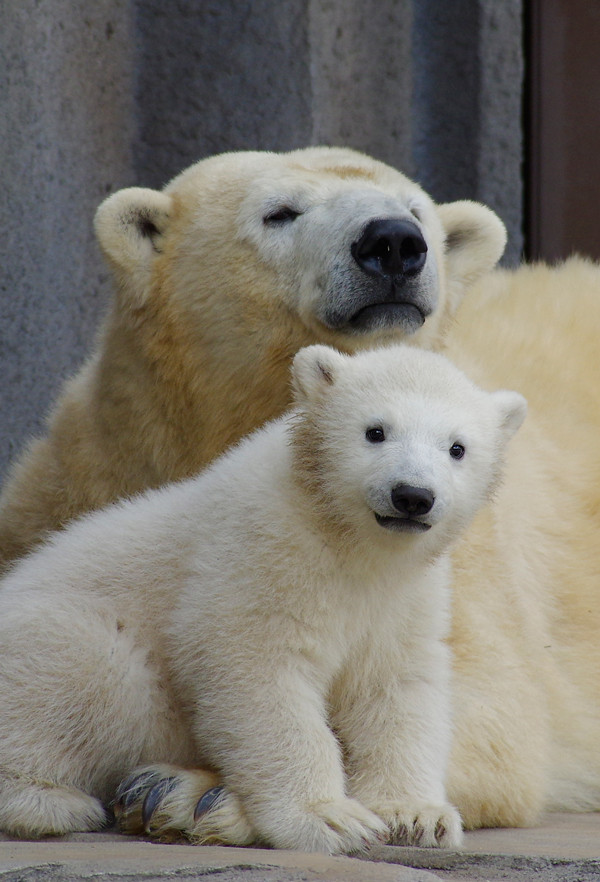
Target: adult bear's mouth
(401, 524)
(377, 305)
(378, 316)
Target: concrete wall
(100, 96)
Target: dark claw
(130, 790)
(208, 800)
(155, 795)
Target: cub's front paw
(168, 804)
(427, 826)
(341, 826)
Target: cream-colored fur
(215, 295)
(281, 619)
(527, 574)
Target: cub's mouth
(401, 524)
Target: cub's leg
(77, 697)
(168, 803)
(282, 759)
(264, 726)
(396, 729)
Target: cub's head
(265, 252)
(397, 442)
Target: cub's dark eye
(281, 215)
(375, 435)
(457, 451)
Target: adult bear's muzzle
(391, 252)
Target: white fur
(256, 622)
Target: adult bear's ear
(129, 225)
(314, 370)
(475, 242)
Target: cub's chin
(401, 524)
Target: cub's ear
(512, 408)
(129, 225)
(314, 370)
(475, 242)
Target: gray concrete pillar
(361, 77)
(468, 86)
(67, 126)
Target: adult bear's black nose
(390, 247)
(412, 501)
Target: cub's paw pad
(170, 804)
(146, 801)
(425, 826)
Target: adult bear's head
(246, 257)
(340, 247)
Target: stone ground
(564, 848)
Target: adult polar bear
(221, 278)
(527, 608)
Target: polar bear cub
(279, 619)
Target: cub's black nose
(412, 501)
(390, 247)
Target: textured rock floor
(564, 848)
